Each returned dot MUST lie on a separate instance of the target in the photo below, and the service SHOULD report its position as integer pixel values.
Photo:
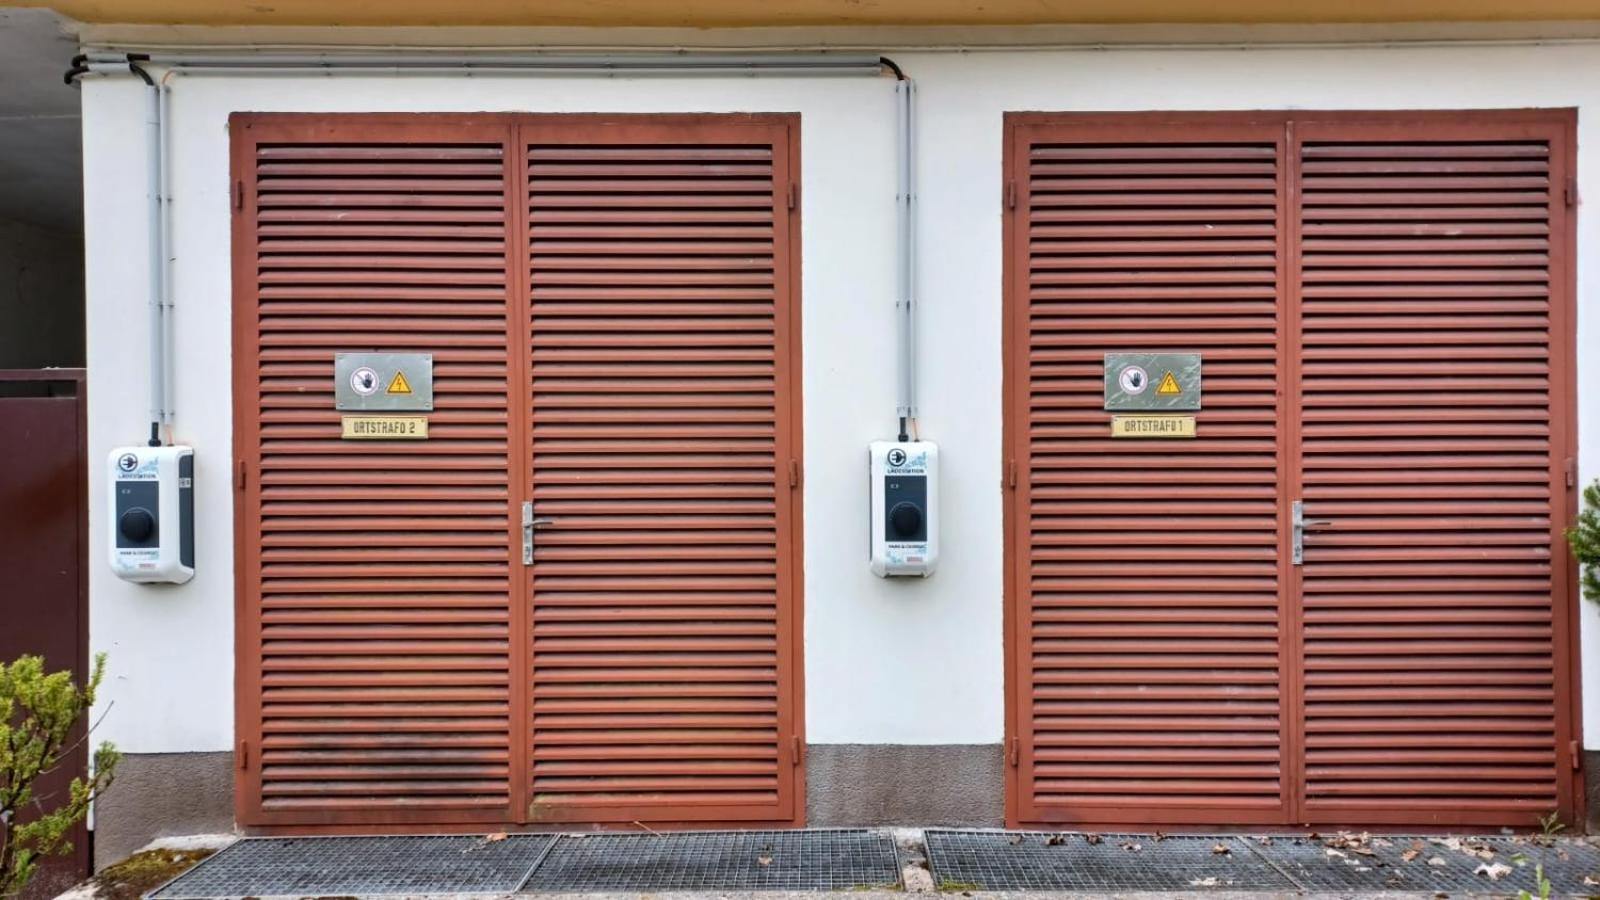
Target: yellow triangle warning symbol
(1168, 385)
(399, 384)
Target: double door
(1383, 308)
(611, 308)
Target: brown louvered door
(375, 580)
(1146, 574)
(1433, 386)
(664, 431)
(612, 309)
(1383, 303)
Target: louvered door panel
(1147, 571)
(1434, 604)
(376, 617)
(663, 422)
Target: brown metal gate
(43, 551)
(612, 306)
(1383, 303)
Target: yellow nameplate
(385, 428)
(1152, 426)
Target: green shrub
(37, 714)
(1585, 540)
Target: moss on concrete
(143, 872)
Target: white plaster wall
(886, 661)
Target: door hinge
(1576, 753)
(794, 749)
(238, 195)
(1572, 190)
(794, 194)
(244, 756)
(1015, 755)
(1011, 474)
(1011, 195)
(1572, 473)
(240, 475)
(794, 473)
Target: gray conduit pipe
(155, 154)
(906, 215)
(109, 62)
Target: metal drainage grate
(1033, 860)
(1436, 863)
(723, 860)
(1073, 861)
(354, 866)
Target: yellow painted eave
(763, 13)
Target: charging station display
(905, 507)
(152, 513)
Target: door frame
(248, 129)
(1563, 426)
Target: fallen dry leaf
(1092, 838)
(1014, 839)
(1332, 852)
(1591, 881)
(1221, 849)
(1437, 861)
(495, 838)
(1160, 836)
(1495, 871)
(1411, 854)
(764, 860)
(1209, 881)
(1132, 847)
(1264, 841)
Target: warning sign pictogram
(1141, 381)
(372, 381)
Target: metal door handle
(529, 523)
(1301, 523)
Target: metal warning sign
(383, 382)
(1153, 382)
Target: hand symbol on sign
(1133, 379)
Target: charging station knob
(137, 524)
(905, 519)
